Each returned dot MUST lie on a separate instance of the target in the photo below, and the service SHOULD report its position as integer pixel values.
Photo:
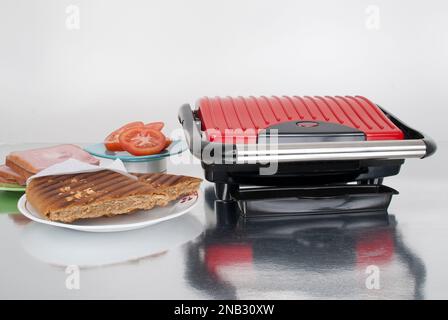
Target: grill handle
(326, 151)
(191, 130)
(194, 139)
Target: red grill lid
(241, 119)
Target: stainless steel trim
(396, 149)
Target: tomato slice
(112, 143)
(155, 125)
(142, 141)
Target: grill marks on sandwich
(70, 197)
(64, 185)
(173, 186)
(161, 179)
(66, 190)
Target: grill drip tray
(278, 202)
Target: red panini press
(330, 153)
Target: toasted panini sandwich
(70, 197)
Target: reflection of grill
(316, 142)
(302, 257)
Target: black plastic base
(300, 173)
(284, 202)
(269, 203)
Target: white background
(141, 59)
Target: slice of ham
(8, 175)
(7, 181)
(35, 160)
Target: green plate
(8, 201)
(12, 187)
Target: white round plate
(125, 222)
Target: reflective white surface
(199, 256)
(61, 247)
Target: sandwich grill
(286, 155)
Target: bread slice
(67, 198)
(30, 162)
